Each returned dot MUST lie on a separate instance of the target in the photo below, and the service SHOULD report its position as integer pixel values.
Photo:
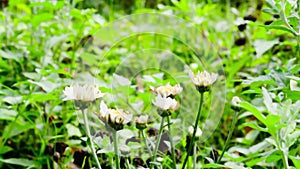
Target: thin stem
(145, 142)
(116, 149)
(127, 163)
(158, 139)
(87, 128)
(229, 136)
(284, 157)
(298, 37)
(285, 160)
(195, 156)
(298, 41)
(195, 130)
(171, 143)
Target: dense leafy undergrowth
(253, 46)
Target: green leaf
(296, 161)
(255, 161)
(19, 161)
(254, 111)
(261, 46)
(6, 114)
(271, 4)
(56, 40)
(268, 101)
(278, 27)
(32, 75)
(38, 19)
(46, 85)
(76, 13)
(213, 166)
(40, 97)
(293, 95)
(258, 80)
(11, 55)
(237, 66)
(255, 126)
(273, 157)
(73, 131)
(5, 149)
(259, 147)
(12, 99)
(293, 21)
(271, 121)
(15, 128)
(292, 138)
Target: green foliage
(47, 45)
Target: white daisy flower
(114, 116)
(85, 93)
(203, 79)
(198, 132)
(236, 101)
(165, 103)
(142, 120)
(167, 90)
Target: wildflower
(198, 132)
(141, 122)
(165, 105)
(125, 150)
(203, 80)
(116, 118)
(84, 93)
(167, 90)
(235, 102)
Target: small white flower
(203, 79)
(114, 116)
(125, 150)
(198, 132)
(167, 90)
(85, 93)
(142, 120)
(236, 101)
(165, 103)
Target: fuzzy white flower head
(167, 90)
(236, 101)
(165, 103)
(85, 93)
(198, 132)
(203, 79)
(114, 116)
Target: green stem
(298, 37)
(116, 149)
(195, 130)
(171, 143)
(145, 142)
(285, 159)
(158, 139)
(298, 41)
(195, 156)
(87, 128)
(127, 163)
(229, 136)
